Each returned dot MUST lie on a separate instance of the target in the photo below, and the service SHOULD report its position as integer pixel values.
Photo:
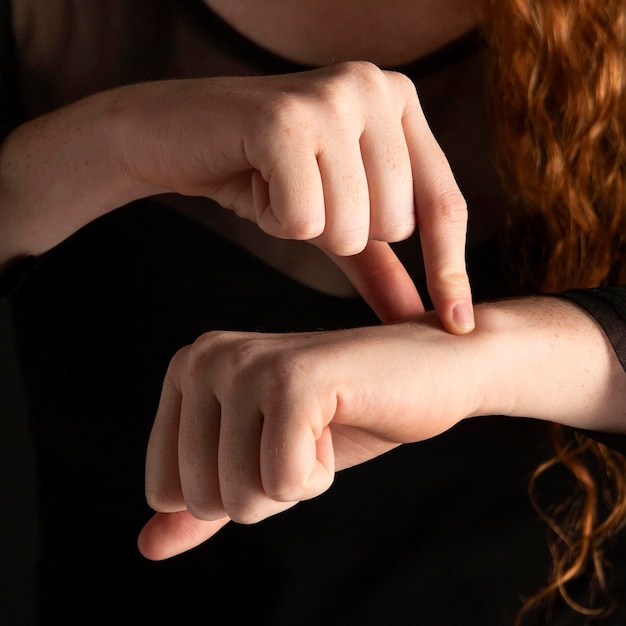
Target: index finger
(441, 215)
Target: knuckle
(204, 509)
(350, 248)
(242, 511)
(346, 245)
(365, 72)
(282, 379)
(310, 229)
(155, 500)
(346, 86)
(403, 231)
(209, 341)
(448, 279)
(279, 370)
(286, 227)
(283, 489)
(162, 502)
(404, 84)
(296, 110)
(202, 351)
(286, 111)
(219, 357)
(285, 123)
(451, 207)
(213, 343)
(397, 230)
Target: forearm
(550, 360)
(61, 171)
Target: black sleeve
(607, 305)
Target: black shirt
(441, 532)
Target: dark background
(18, 492)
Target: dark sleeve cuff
(607, 305)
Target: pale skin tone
(250, 424)
(341, 158)
(312, 174)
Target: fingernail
(463, 315)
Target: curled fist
(340, 157)
(250, 424)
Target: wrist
(119, 114)
(61, 171)
(498, 333)
(546, 358)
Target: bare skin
(363, 127)
(313, 33)
(321, 32)
(319, 402)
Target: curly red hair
(558, 88)
(559, 79)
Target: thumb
(168, 534)
(383, 282)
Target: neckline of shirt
(238, 44)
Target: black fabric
(237, 45)
(13, 276)
(614, 441)
(608, 307)
(437, 533)
(19, 522)
(440, 532)
(97, 325)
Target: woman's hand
(339, 157)
(249, 424)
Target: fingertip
(462, 318)
(451, 296)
